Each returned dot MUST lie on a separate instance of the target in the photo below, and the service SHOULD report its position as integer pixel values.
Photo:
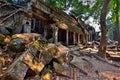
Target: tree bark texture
(103, 42)
(118, 21)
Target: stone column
(78, 38)
(67, 37)
(74, 38)
(89, 37)
(45, 32)
(55, 33)
(86, 38)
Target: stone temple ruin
(54, 24)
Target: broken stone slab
(19, 67)
(59, 68)
(4, 31)
(17, 45)
(47, 76)
(29, 37)
(112, 46)
(45, 53)
(74, 48)
(96, 42)
(113, 56)
(84, 66)
(17, 70)
(62, 49)
(111, 75)
(4, 39)
(17, 28)
(37, 65)
(49, 52)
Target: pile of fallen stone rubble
(27, 55)
(94, 67)
(112, 53)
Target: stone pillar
(74, 38)
(86, 38)
(67, 37)
(55, 33)
(45, 32)
(89, 37)
(78, 38)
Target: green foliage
(10, 1)
(115, 9)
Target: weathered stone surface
(2, 39)
(37, 57)
(17, 70)
(47, 75)
(111, 75)
(52, 48)
(82, 64)
(59, 68)
(62, 49)
(3, 30)
(29, 37)
(17, 45)
(17, 28)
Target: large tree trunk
(103, 42)
(118, 24)
(118, 21)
